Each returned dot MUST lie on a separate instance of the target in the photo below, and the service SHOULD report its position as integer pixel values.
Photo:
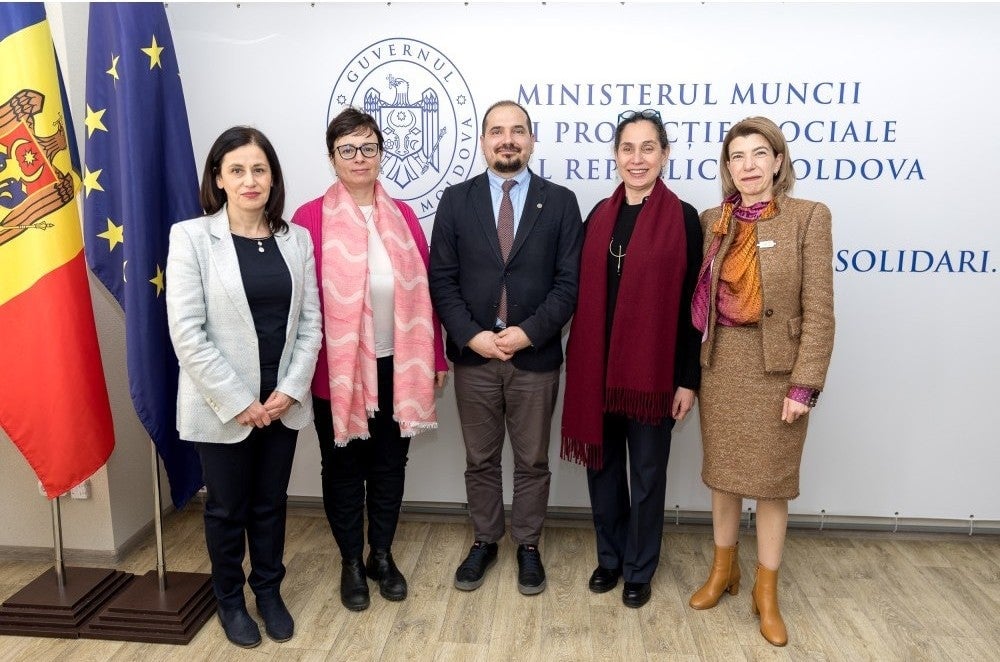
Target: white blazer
(214, 336)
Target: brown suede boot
(765, 603)
(724, 576)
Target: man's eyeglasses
(648, 114)
(368, 150)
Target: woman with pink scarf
(381, 358)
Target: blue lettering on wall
(916, 261)
(818, 131)
(868, 169)
(787, 93)
(615, 94)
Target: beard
(512, 164)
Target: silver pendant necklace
(369, 215)
(260, 242)
(620, 254)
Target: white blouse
(380, 283)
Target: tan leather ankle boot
(724, 576)
(765, 603)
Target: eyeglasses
(368, 150)
(648, 114)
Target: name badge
(767, 243)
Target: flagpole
(159, 606)
(161, 565)
(57, 543)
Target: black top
(620, 236)
(687, 366)
(268, 286)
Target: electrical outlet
(81, 491)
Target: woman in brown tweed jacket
(764, 303)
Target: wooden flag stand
(98, 603)
(61, 599)
(158, 607)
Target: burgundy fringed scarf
(638, 379)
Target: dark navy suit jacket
(541, 273)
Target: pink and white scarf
(348, 323)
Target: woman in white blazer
(244, 317)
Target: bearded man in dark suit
(504, 269)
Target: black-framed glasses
(368, 150)
(648, 114)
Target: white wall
(907, 424)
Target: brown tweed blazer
(796, 265)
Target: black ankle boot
(354, 585)
(238, 626)
(382, 568)
(278, 623)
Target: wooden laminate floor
(844, 596)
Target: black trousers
(629, 525)
(247, 486)
(365, 471)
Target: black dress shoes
(472, 572)
(636, 594)
(238, 626)
(382, 568)
(530, 572)
(278, 623)
(354, 585)
(603, 579)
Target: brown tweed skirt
(748, 450)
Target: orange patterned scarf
(738, 298)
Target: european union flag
(142, 175)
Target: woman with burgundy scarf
(382, 353)
(632, 359)
(764, 301)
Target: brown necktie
(505, 231)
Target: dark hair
(348, 122)
(508, 102)
(661, 131)
(213, 197)
(784, 180)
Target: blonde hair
(769, 131)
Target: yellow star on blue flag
(93, 121)
(115, 234)
(153, 51)
(90, 181)
(113, 71)
(157, 280)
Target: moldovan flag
(53, 399)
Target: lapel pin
(539, 205)
(767, 243)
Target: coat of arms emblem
(31, 187)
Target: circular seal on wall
(426, 113)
